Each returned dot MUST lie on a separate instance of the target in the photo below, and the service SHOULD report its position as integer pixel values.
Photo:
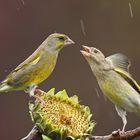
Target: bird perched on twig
(115, 81)
(37, 67)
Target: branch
(118, 135)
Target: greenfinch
(115, 81)
(37, 67)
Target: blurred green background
(106, 24)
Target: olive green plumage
(115, 81)
(37, 67)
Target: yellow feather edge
(129, 79)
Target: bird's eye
(95, 51)
(61, 38)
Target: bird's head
(94, 57)
(57, 41)
(92, 54)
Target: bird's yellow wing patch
(129, 79)
(35, 61)
(28, 62)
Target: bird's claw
(39, 99)
(116, 133)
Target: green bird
(115, 81)
(37, 67)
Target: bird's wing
(31, 60)
(119, 60)
(129, 79)
(121, 65)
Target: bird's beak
(86, 52)
(69, 41)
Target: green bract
(60, 117)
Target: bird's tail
(4, 87)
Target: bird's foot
(116, 133)
(39, 99)
(39, 92)
(30, 90)
(36, 93)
